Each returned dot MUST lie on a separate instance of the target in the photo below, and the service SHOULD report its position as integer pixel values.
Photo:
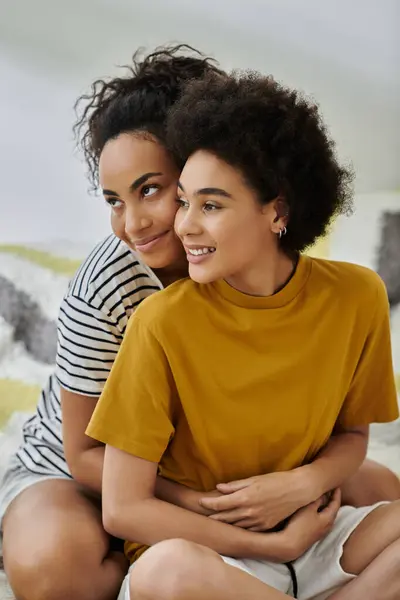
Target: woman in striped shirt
(55, 546)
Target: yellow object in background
(57, 264)
(16, 396)
(320, 248)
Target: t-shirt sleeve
(372, 397)
(135, 411)
(88, 342)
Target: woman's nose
(135, 221)
(187, 222)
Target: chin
(153, 261)
(201, 275)
(161, 260)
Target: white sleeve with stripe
(88, 342)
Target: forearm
(87, 468)
(180, 495)
(339, 460)
(88, 471)
(151, 521)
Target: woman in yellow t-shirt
(264, 369)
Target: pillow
(32, 284)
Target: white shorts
(15, 480)
(318, 572)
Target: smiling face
(139, 179)
(226, 232)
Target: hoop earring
(282, 232)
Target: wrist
(275, 547)
(308, 483)
(190, 500)
(193, 503)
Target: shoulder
(111, 269)
(346, 274)
(168, 306)
(348, 279)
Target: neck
(266, 278)
(171, 274)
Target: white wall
(344, 53)
(43, 187)
(356, 238)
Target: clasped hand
(259, 503)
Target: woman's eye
(149, 190)
(210, 207)
(182, 203)
(114, 202)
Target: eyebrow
(208, 191)
(134, 186)
(142, 179)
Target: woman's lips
(196, 255)
(149, 243)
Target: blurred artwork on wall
(388, 263)
(388, 267)
(371, 237)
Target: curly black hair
(138, 101)
(275, 137)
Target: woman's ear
(281, 211)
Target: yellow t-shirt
(217, 385)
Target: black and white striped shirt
(92, 321)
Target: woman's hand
(182, 496)
(261, 503)
(309, 525)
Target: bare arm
(131, 511)
(339, 460)
(85, 456)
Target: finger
(234, 486)
(334, 499)
(229, 516)
(250, 523)
(310, 508)
(320, 504)
(329, 513)
(223, 503)
(259, 529)
(308, 512)
(337, 496)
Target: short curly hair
(138, 101)
(275, 137)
